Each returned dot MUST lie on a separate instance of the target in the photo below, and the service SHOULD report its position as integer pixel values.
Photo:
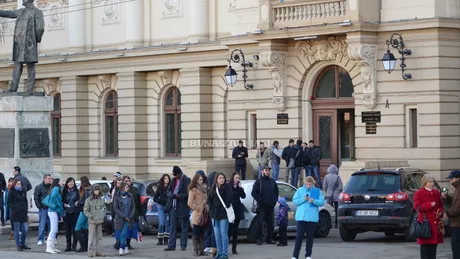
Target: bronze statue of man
(28, 32)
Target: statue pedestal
(25, 135)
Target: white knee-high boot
(50, 246)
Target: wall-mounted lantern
(231, 76)
(389, 60)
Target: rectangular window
(170, 134)
(111, 148)
(56, 120)
(413, 126)
(252, 130)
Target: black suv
(380, 201)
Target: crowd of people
(215, 202)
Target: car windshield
(373, 182)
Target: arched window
(56, 125)
(173, 129)
(111, 124)
(334, 82)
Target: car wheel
(253, 233)
(389, 234)
(346, 235)
(407, 236)
(324, 225)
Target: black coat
(70, 198)
(314, 155)
(240, 161)
(17, 202)
(161, 196)
(41, 191)
(265, 192)
(182, 197)
(238, 194)
(2, 182)
(216, 210)
(137, 200)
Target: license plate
(367, 213)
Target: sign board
(371, 117)
(371, 128)
(34, 142)
(282, 119)
(7, 143)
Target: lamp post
(231, 76)
(389, 60)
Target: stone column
(196, 108)
(76, 30)
(134, 24)
(132, 124)
(74, 125)
(199, 20)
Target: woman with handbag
(17, 202)
(55, 210)
(70, 197)
(238, 194)
(333, 186)
(125, 210)
(219, 202)
(197, 198)
(427, 201)
(161, 198)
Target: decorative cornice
(366, 57)
(322, 49)
(276, 62)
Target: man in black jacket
(2, 197)
(265, 192)
(240, 153)
(25, 183)
(40, 193)
(314, 156)
(292, 155)
(179, 211)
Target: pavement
(368, 244)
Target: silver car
(248, 226)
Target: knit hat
(176, 170)
(333, 169)
(117, 174)
(201, 172)
(282, 201)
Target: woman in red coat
(428, 201)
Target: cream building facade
(139, 85)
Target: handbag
(47, 201)
(254, 202)
(142, 225)
(204, 216)
(420, 229)
(291, 215)
(229, 210)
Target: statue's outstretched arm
(10, 14)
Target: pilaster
(273, 57)
(196, 108)
(199, 20)
(134, 24)
(74, 126)
(76, 30)
(132, 124)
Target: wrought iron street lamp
(231, 76)
(389, 60)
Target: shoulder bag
(204, 216)
(229, 210)
(420, 229)
(254, 202)
(292, 160)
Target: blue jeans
(221, 233)
(163, 222)
(124, 235)
(295, 176)
(183, 221)
(241, 168)
(20, 227)
(259, 171)
(276, 171)
(43, 221)
(209, 238)
(313, 170)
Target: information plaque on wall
(282, 119)
(371, 117)
(371, 128)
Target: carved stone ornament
(171, 8)
(110, 11)
(106, 81)
(323, 49)
(276, 62)
(50, 85)
(166, 76)
(366, 57)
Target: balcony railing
(296, 13)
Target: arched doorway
(334, 116)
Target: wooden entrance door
(325, 136)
